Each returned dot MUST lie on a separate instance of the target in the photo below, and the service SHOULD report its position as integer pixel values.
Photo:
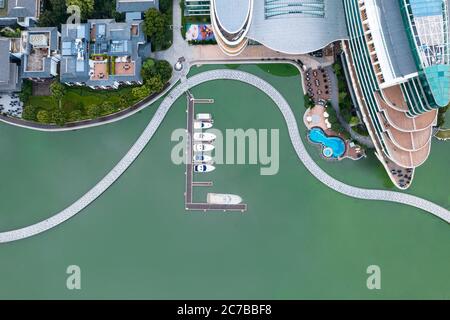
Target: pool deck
(190, 184)
(318, 119)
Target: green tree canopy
(74, 115)
(155, 26)
(93, 111)
(164, 70)
(59, 116)
(86, 7)
(108, 108)
(141, 92)
(58, 91)
(148, 69)
(154, 84)
(30, 113)
(54, 13)
(43, 116)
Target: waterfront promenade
(295, 138)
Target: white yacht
(204, 137)
(202, 158)
(203, 147)
(203, 168)
(218, 198)
(202, 125)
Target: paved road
(294, 134)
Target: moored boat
(203, 168)
(203, 147)
(227, 199)
(204, 136)
(202, 125)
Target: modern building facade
(197, 7)
(398, 63)
(102, 54)
(288, 26)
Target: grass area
(77, 103)
(279, 69)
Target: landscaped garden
(71, 104)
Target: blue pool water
(333, 147)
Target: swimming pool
(332, 147)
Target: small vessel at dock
(202, 125)
(203, 168)
(203, 147)
(202, 158)
(204, 137)
(227, 199)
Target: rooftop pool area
(332, 147)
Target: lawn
(79, 100)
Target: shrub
(43, 116)
(30, 113)
(59, 117)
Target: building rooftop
(136, 5)
(388, 30)
(23, 8)
(101, 52)
(9, 72)
(39, 45)
(232, 14)
(297, 26)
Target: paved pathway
(156, 121)
(363, 140)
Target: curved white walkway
(159, 116)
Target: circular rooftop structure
(232, 15)
(231, 20)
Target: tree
(309, 102)
(74, 115)
(141, 92)
(30, 113)
(164, 70)
(59, 116)
(154, 84)
(354, 121)
(54, 13)
(58, 91)
(155, 26)
(164, 5)
(86, 7)
(27, 91)
(148, 69)
(43, 116)
(93, 111)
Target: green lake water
(298, 239)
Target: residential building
(102, 54)
(9, 70)
(134, 9)
(398, 64)
(40, 53)
(23, 12)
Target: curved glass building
(398, 63)
(288, 26)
